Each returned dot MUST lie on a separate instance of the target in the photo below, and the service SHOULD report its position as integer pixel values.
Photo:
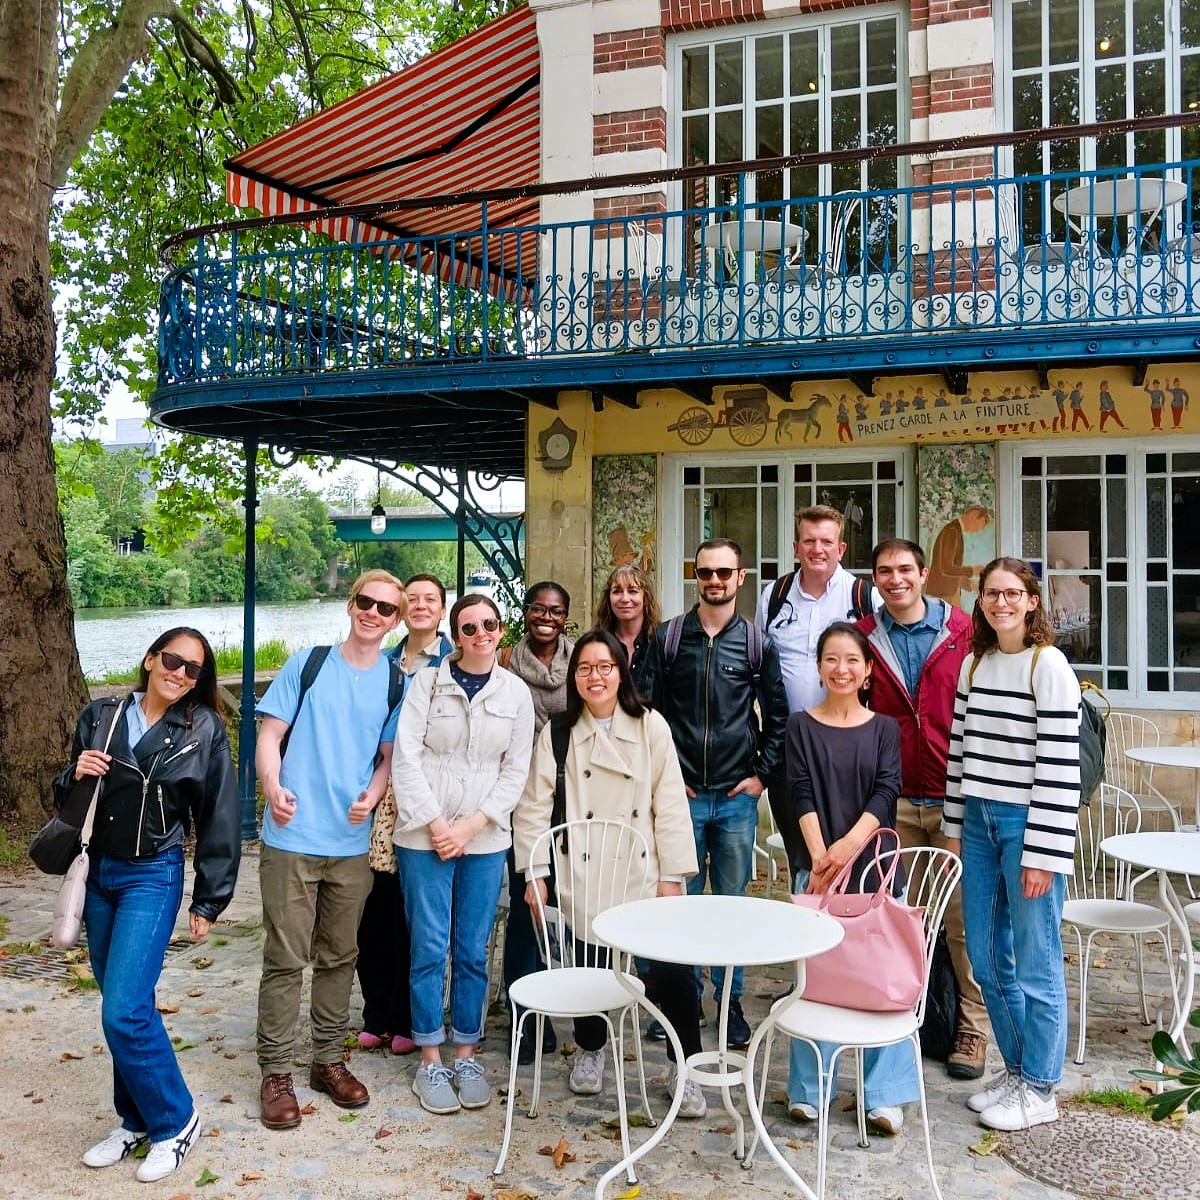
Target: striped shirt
(1019, 744)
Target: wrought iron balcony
(1114, 251)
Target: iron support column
(247, 731)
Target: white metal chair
(610, 860)
(1126, 731)
(933, 875)
(1100, 893)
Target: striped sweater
(1019, 746)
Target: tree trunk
(41, 685)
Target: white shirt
(799, 624)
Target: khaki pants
(921, 825)
(311, 910)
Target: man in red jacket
(920, 643)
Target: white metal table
(1173, 756)
(1123, 197)
(1171, 852)
(741, 236)
(728, 931)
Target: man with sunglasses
(706, 672)
(323, 758)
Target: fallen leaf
(231, 1054)
(472, 1194)
(793, 1145)
(308, 1109)
(37, 1100)
(206, 1012)
(514, 1194)
(559, 1153)
(227, 1098)
(80, 971)
(345, 1118)
(382, 1133)
(196, 992)
(202, 964)
(251, 1176)
(636, 1121)
(183, 1044)
(167, 1009)
(633, 1192)
(181, 1196)
(69, 1056)
(988, 1144)
(722, 1129)
(206, 1177)
(214, 1132)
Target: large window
(1079, 61)
(832, 83)
(1121, 575)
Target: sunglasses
(722, 573)
(172, 662)
(365, 603)
(470, 628)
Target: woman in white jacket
(620, 766)
(459, 764)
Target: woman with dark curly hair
(1012, 806)
(166, 771)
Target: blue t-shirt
(912, 643)
(331, 754)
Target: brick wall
(631, 48)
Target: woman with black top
(167, 772)
(843, 766)
(629, 609)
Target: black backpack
(860, 605)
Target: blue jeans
(130, 912)
(451, 906)
(889, 1072)
(1015, 944)
(724, 828)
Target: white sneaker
(1002, 1084)
(887, 1118)
(119, 1144)
(800, 1111)
(693, 1105)
(1022, 1107)
(587, 1073)
(168, 1155)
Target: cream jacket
(453, 759)
(630, 775)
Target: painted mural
(624, 514)
(956, 516)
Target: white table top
(742, 931)
(751, 236)
(1169, 850)
(1167, 756)
(1120, 197)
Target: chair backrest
(595, 865)
(840, 215)
(932, 875)
(1097, 876)
(1127, 731)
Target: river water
(114, 639)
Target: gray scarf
(547, 684)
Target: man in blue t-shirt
(321, 788)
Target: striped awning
(465, 118)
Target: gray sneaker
(693, 1105)
(587, 1075)
(473, 1089)
(432, 1087)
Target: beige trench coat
(630, 775)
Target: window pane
(1072, 539)
(1185, 520)
(695, 137)
(1027, 114)
(726, 475)
(844, 66)
(695, 77)
(729, 137)
(1157, 627)
(769, 136)
(846, 132)
(1186, 591)
(829, 472)
(1026, 34)
(1115, 493)
(881, 52)
(769, 532)
(1074, 603)
(729, 73)
(805, 66)
(1064, 104)
(1148, 30)
(1150, 94)
(1110, 92)
(1064, 31)
(1117, 620)
(1110, 28)
(1156, 518)
(881, 128)
(768, 67)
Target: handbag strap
(85, 833)
(886, 875)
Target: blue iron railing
(1110, 248)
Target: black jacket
(180, 776)
(708, 696)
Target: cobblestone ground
(56, 1086)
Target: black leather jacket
(708, 696)
(180, 775)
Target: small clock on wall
(556, 445)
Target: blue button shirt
(912, 643)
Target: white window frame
(673, 552)
(1010, 542)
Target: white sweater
(1019, 744)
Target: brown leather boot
(279, 1107)
(335, 1080)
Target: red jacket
(925, 725)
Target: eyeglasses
(1011, 595)
(470, 628)
(546, 610)
(172, 662)
(722, 573)
(603, 669)
(365, 603)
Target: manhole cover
(1108, 1156)
(55, 965)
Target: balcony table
(1103, 198)
(751, 236)
(1170, 852)
(1174, 756)
(728, 931)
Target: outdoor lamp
(378, 519)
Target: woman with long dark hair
(1012, 809)
(167, 772)
(621, 766)
(629, 609)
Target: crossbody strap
(85, 834)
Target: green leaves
(1179, 1070)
